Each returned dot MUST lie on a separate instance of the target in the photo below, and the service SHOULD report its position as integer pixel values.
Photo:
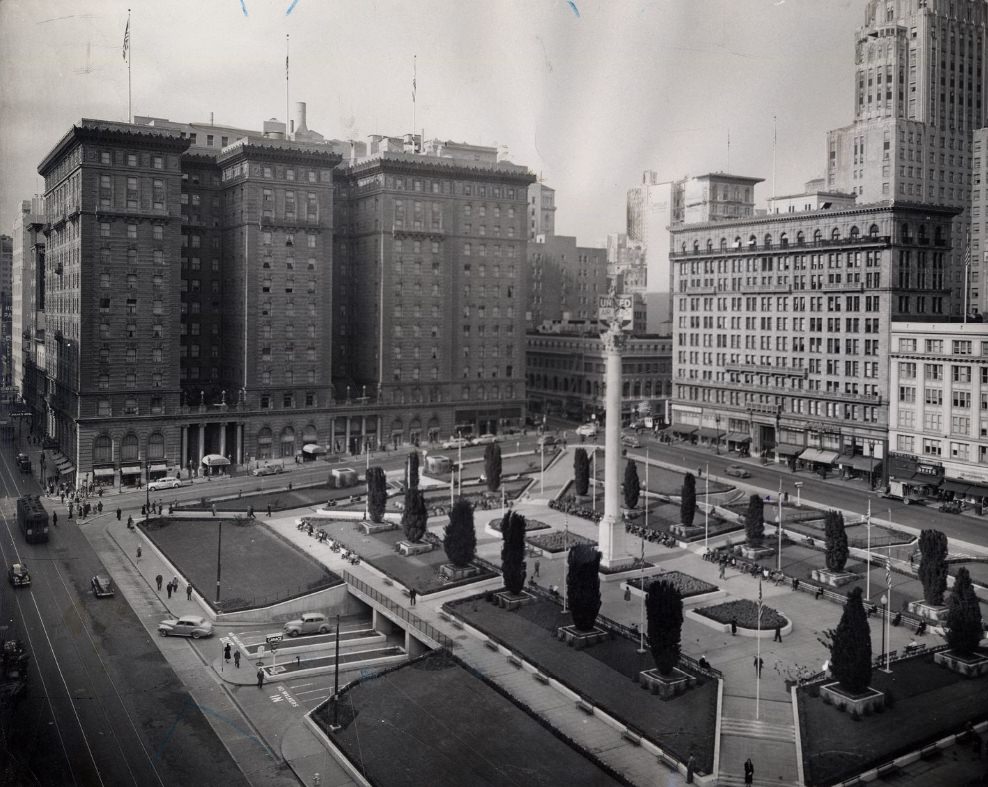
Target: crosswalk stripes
(749, 728)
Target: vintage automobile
(102, 586)
(309, 623)
(737, 471)
(194, 626)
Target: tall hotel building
(919, 100)
(194, 304)
(781, 339)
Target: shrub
(581, 471)
(492, 466)
(377, 493)
(687, 507)
(850, 654)
(684, 584)
(412, 470)
(664, 611)
(460, 536)
(964, 629)
(836, 540)
(415, 516)
(754, 520)
(513, 552)
(583, 585)
(632, 486)
(933, 565)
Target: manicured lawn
(930, 702)
(283, 500)
(435, 723)
(258, 567)
(660, 480)
(557, 540)
(604, 674)
(745, 612)
(530, 524)
(684, 583)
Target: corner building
(781, 337)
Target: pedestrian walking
(70, 510)
(226, 651)
(159, 579)
(236, 659)
(690, 767)
(411, 596)
(54, 518)
(119, 512)
(269, 510)
(759, 663)
(213, 508)
(99, 506)
(138, 554)
(749, 771)
(175, 584)
(627, 593)
(536, 569)
(723, 568)
(260, 681)
(778, 634)
(188, 591)
(734, 627)
(170, 588)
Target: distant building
(27, 306)
(541, 211)
(6, 263)
(812, 198)
(564, 280)
(565, 369)
(626, 264)
(938, 412)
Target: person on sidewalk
(723, 568)
(138, 554)
(690, 767)
(159, 579)
(734, 627)
(536, 574)
(119, 512)
(169, 590)
(411, 597)
(749, 771)
(269, 510)
(260, 680)
(778, 634)
(236, 659)
(759, 663)
(54, 518)
(188, 591)
(226, 651)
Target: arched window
(853, 234)
(784, 240)
(156, 446)
(905, 233)
(737, 241)
(921, 232)
(696, 245)
(129, 448)
(752, 241)
(768, 240)
(710, 244)
(102, 450)
(723, 244)
(800, 238)
(873, 231)
(310, 435)
(264, 443)
(835, 233)
(287, 441)
(684, 247)
(817, 236)
(938, 234)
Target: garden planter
(509, 601)
(666, 686)
(409, 548)
(580, 639)
(972, 666)
(631, 513)
(756, 553)
(582, 499)
(931, 612)
(833, 578)
(866, 702)
(687, 532)
(454, 573)
(377, 527)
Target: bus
(33, 519)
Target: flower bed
(530, 524)
(745, 612)
(684, 583)
(558, 541)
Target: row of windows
(935, 371)
(936, 346)
(933, 447)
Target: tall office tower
(430, 277)
(781, 341)
(564, 280)
(626, 264)
(920, 89)
(27, 306)
(6, 262)
(541, 211)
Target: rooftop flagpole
(288, 121)
(126, 56)
(414, 88)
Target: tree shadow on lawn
(930, 703)
(259, 567)
(605, 674)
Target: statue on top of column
(202, 398)
(223, 397)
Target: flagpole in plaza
(888, 608)
(288, 122)
(126, 56)
(758, 652)
(868, 570)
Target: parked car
(194, 626)
(102, 586)
(737, 471)
(587, 430)
(19, 575)
(484, 439)
(164, 483)
(455, 442)
(630, 441)
(267, 470)
(545, 441)
(951, 506)
(309, 623)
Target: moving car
(164, 483)
(737, 471)
(267, 470)
(484, 439)
(587, 430)
(24, 463)
(102, 586)
(194, 626)
(630, 441)
(455, 442)
(309, 623)
(545, 441)
(18, 575)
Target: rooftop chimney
(300, 127)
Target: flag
(888, 574)
(126, 41)
(286, 66)
(414, 70)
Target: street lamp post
(593, 480)
(717, 438)
(219, 562)
(641, 586)
(868, 570)
(778, 527)
(885, 614)
(799, 488)
(706, 509)
(147, 487)
(565, 554)
(459, 462)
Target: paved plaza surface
(756, 715)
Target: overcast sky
(587, 93)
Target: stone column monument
(615, 312)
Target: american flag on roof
(126, 41)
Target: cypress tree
(415, 516)
(687, 506)
(632, 486)
(754, 520)
(836, 540)
(513, 552)
(492, 466)
(581, 471)
(413, 469)
(850, 656)
(377, 493)
(583, 585)
(664, 612)
(963, 624)
(933, 565)
(460, 535)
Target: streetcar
(33, 519)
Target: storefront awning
(815, 455)
(67, 470)
(215, 460)
(789, 449)
(977, 490)
(681, 428)
(864, 463)
(130, 470)
(711, 434)
(738, 437)
(158, 467)
(103, 472)
(314, 449)
(956, 486)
